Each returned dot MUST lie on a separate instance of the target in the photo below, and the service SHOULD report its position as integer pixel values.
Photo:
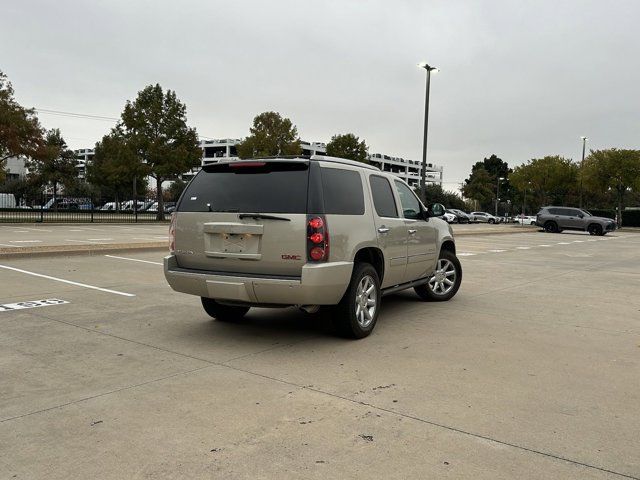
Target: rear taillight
(172, 233)
(317, 239)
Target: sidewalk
(18, 240)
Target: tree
(54, 163)
(348, 146)
(115, 166)
(617, 170)
(176, 189)
(483, 188)
(20, 131)
(551, 179)
(480, 186)
(155, 127)
(271, 135)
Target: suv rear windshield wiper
(262, 215)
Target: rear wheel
(551, 227)
(445, 282)
(594, 229)
(224, 313)
(357, 312)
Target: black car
(461, 217)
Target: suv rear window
(342, 192)
(252, 187)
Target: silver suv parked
(310, 232)
(556, 219)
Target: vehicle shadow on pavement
(285, 324)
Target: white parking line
(545, 245)
(98, 239)
(564, 243)
(33, 229)
(25, 241)
(7, 245)
(62, 280)
(523, 248)
(466, 254)
(134, 259)
(497, 251)
(80, 241)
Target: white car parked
(483, 217)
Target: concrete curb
(63, 250)
(501, 231)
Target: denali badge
(185, 252)
(291, 257)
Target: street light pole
(498, 193)
(584, 142)
(423, 176)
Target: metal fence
(85, 210)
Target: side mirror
(436, 210)
(580, 215)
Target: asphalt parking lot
(531, 371)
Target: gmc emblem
(291, 257)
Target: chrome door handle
(412, 231)
(383, 229)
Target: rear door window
(342, 192)
(383, 200)
(251, 187)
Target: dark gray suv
(556, 219)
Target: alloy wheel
(444, 277)
(366, 301)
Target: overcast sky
(518, 79)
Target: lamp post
(423, 176)
(584, 143)
(498, 193)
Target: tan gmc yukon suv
(310, 232)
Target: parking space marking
(544, 245)
(523, 248)
(7, 245)
(25, 241)
(134, 259)
(98, 239)
(70, 282)
(80, 241)
(564, 243)
(497, 251)
(9, 307)
(466, 254)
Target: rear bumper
(320, 284)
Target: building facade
(16, 168)
(226, 149)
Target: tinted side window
(383, 196)
(410, 204)
(342, 192)
(555, 211)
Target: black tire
(347, 318)
(551, 227)
(594, 229)
(426, 291)
(224, 313)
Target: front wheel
(357, 312)
(445, 282)
(224, 313)
(595, 229)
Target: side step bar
(404, 286)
